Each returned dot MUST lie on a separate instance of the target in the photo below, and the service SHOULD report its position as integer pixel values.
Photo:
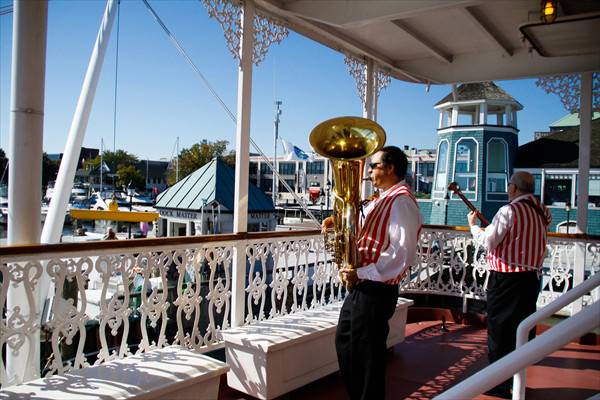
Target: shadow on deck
(430, 361)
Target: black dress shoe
(503, 393)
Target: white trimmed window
(465, 165)
(441, 175)
(497, 166)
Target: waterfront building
(202, 203)
(421, 167)
(557, 181)
(86, 154)
(476, 148)
(309, 179)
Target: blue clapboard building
(477, 147)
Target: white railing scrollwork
(118, 298)
(452, 264)
(112, 301)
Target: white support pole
(585, 144)
(542, 185)
(25, 173)
(585, 137)
(367, 188)
(242, 146)
(508, 115)
(454, 120)
(64, 182)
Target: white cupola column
(508, 115)
(454, 120)
(483, 114)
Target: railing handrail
(26, 249)
(532, 352)
(20, 250)
(535, 350)
(554, 235)
(546, 312)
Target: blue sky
(159, 96)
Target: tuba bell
(346, 142)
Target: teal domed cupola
(476, 147)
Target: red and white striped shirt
(387, 243)
(516, 238)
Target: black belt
(374, 287)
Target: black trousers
(511, 297)
(361, 336)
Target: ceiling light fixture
(549, 11)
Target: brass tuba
(346, 141)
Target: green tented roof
(479, 91)
(213, 181)
(570, 120)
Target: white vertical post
(542, 185)
(508, 114)
(242, 146)
(585, 139)
(25, 173)
(366, 187)
(514, 118)
(585, 135)
(454, 116)
(202, 220)
(441, 120)
(169, 228)
(573, 196)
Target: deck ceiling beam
(337, 40)
(431, 48)
(486, 31)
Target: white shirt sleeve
(492, 235)
(404, 224)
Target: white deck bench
(172, 372)
(278, 355)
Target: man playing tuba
(387, 246)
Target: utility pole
(275, 180)
(177, 161)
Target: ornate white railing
(129, 297)
(453, 264)
(133, 297)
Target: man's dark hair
(392, 155)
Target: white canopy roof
(449, 41)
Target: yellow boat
(113, 214)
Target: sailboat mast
(177, 161)
(101, 162)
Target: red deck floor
(430, 361)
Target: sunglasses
(375, 165)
